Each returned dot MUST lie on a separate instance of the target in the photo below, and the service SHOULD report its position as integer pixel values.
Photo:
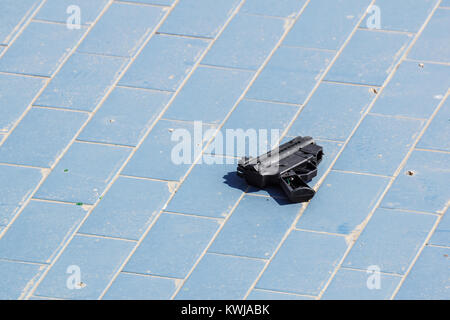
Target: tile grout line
(46, 171)
(195, 66)
(26, 23)
(126, 64)
(402, 163)
(419, 252)
(318, 183)
(242, 96)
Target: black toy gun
(292, 165)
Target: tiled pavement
(91, 205)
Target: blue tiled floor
(93, 204)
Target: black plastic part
(290, 166)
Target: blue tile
(211, 189)
(13, 14)
(122, 29)
(445, 3)
(414, 91)
(256, 227)
(40, 231)
(40, 49)
(290, 75)
(428, 278)
(17, 278)
(159, 156)
(258, 294)
(352, 285)
(253, 116)
(83, 173)
(41, 137)
(139, 287)
(96, 259)
(246, 42)
(209, 95)
(379, 145)
(113, 123)
(431, 38)
(157, 2)
(400, 15)
(17, 185)
(337, 20)
(127, 209)
(221, 277)
(427, 189)
(333, 111)
(341, 205)
(441, 235)
(82, 82)
(201, 18)
(407, 230)
(277, 8)
(164, 62)
(436, 136)
(304, 263)
(57, 10)
(16, 94)
(175, 243)
(369, 57)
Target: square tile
(168, 151)
(209, 95)
(200, 18)
(441, 234)
(379, 145)
(211, 189)
(40, 231)
(369, 57)
(127, 209)
(428, 279)
(436, 136)
(304, 263)
(414, 91)
(290, 75)
(432, 38)
(175, 243)
(353, 285)
(337, 20)
(16, 94)
(138, 287)
(284, 8)
(113, 123)
(87, 262)
(256, 227)
(122, 29)
(17, 185)
(340, 204)
(82, 82)
(13, 15)
(400, 15)
(426, 189)
(241, 134)
(41, 136)
(219, 277)
(17, 278)
(61, 10)
(246, 42)
(164, 62)
(40, 49)
(407, 230)
(83, 173)
(333, 111)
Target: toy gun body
(292, 166)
